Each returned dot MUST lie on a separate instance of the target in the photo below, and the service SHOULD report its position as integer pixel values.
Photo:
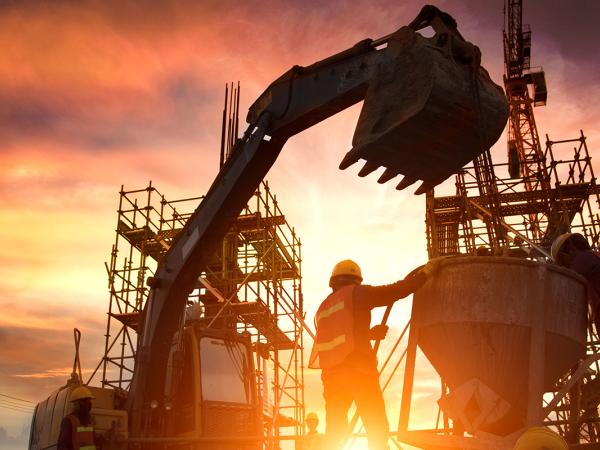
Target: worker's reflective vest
(82, 435)
(334, 320)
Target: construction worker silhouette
(76, 430)
(312, 440)
(343, 350)
(573, 251)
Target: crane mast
(525, 155)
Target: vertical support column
(445, 418)
(409, 373)
(537, 350)
(572, 435)
(431, 228)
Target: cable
(20, 405)
(17, 409)
(15, 398)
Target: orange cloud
(101, 94)
(62, 373)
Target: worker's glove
(378, 332)
(433, 265)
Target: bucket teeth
(368, 168)
(425, 186)
(348, 160)
(406, 182)
(387, 176)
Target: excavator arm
(429, 108)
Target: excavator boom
(429, 108)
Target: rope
(76, 362)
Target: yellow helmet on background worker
(311, 417)
(80, 393)
(345, 268)
(557, 245)
(541, 438)
(312, 422)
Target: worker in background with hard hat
(77, 430)
(540, 438)
(343, 350)
(312, 440)
(573, 251)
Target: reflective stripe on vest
(82, 435)
(331, 344)
(335, 330)
(329, 311)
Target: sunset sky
(95, 95)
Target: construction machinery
(501, 332)
(429, 108)
(514, 361)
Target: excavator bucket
(450, 110)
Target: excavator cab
(213, 391)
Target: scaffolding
(257, 269)
(459, 224)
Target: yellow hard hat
(311, 417)
(482, 250)
(557, 245)
(346, 268)
(540, 438)
(80, 392)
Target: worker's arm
(588, 265)
(65, 438)
(374, 296)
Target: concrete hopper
(500, 332)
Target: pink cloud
(108, 93)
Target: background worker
(76, 430)
(343, 350)
(572, 250)
(312, 440)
